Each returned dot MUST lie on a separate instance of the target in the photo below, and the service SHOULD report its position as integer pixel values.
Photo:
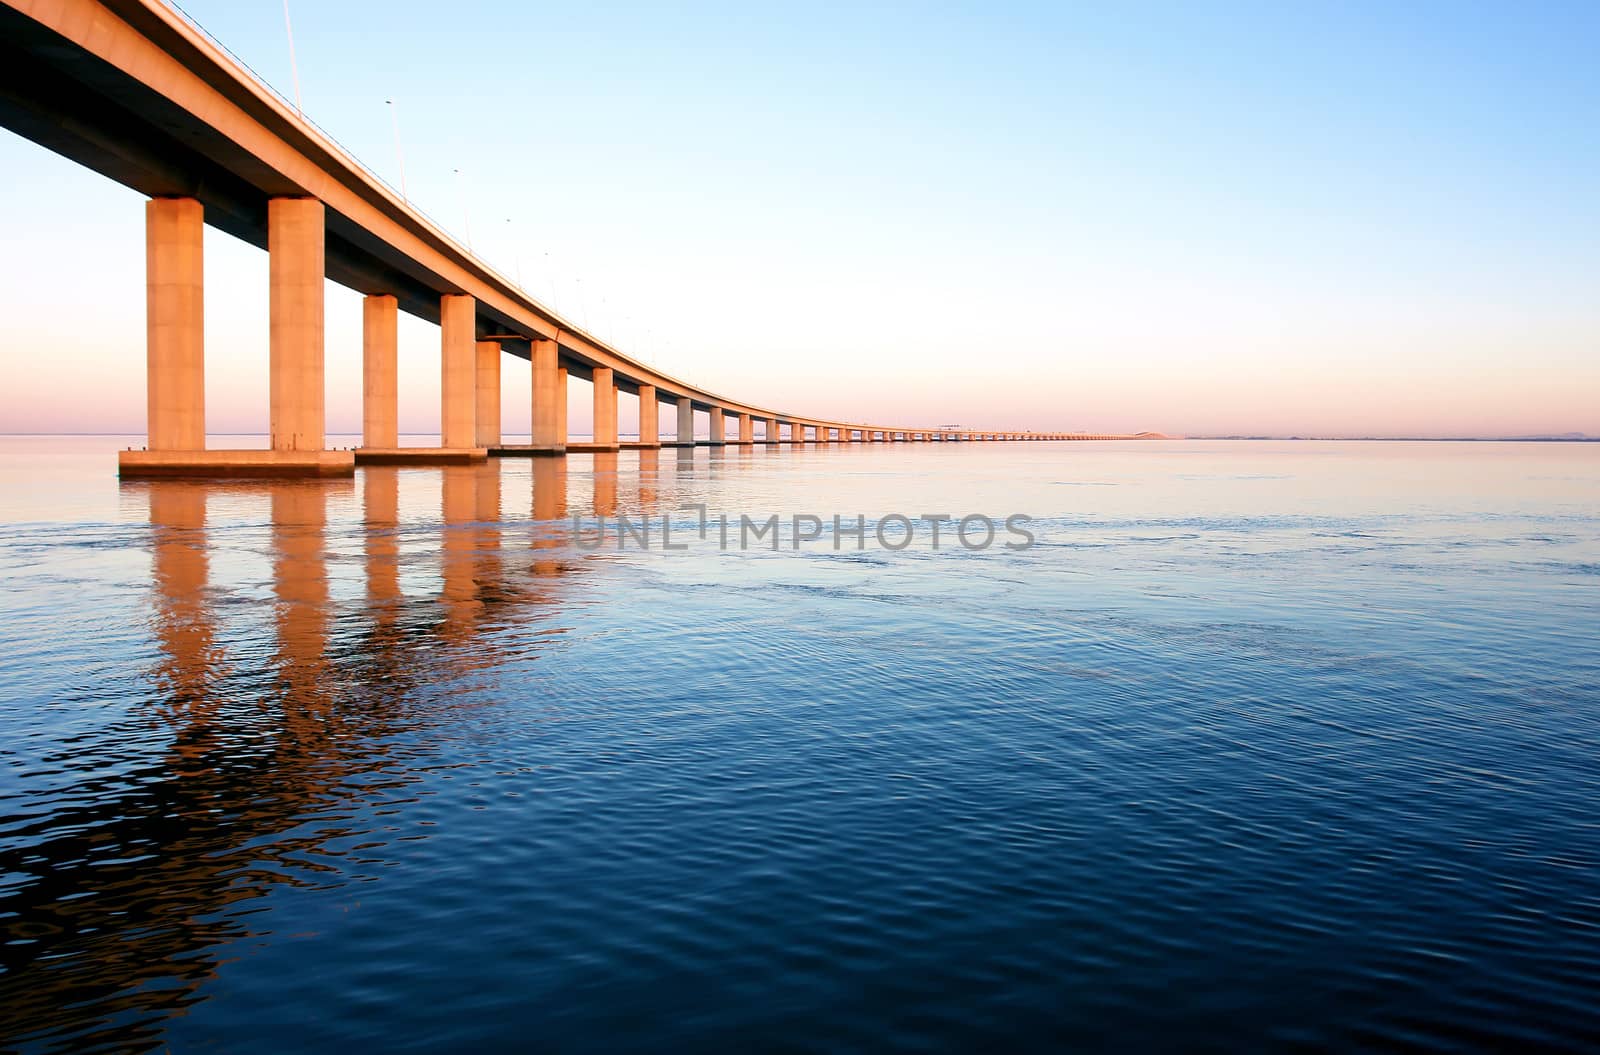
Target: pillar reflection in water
(605, 485)
(182, 626)
(380, 501)
(458, 548)
(649, 480)
(549, 514)
(139, 886)
(300, 581)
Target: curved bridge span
(133, 90)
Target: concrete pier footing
(204, 463)
(420, 455)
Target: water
(1261, 745)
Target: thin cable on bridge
(294, 68)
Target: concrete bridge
(133, 90)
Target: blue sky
(1335, 219)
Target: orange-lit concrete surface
(458, 361)
(236, 463)
(175, 400)
(719, 428)
(685, 422)
(487, 387)
(295, 276)
(131, 89)
(561, 405)
(380, 390)
(549, 400)
(605, 411)
(649, 417)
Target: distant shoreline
(1410, 439)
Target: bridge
(136, 92)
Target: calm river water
(1259, 745)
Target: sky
(1330, 219)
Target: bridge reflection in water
(300, 663)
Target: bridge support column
(487, 387)
(175, 359)
(549, 397)
(380, 389)
(747, 430)
(175, 350)
(295, 274)
(458, 397)
(605, 409)
(685, 422)
(797, 432)
(719, 428)
(561, 407)
(649, 417)
(771, 433)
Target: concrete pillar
(747, 430)
(175, 360)
(380, 390)
(649, 416)
(685, 420)
(605, 408)
(545, 358)
(772, 430)
(487, 385)
(295, 274)
(458, 398)
(797, 432)
(719, 429)
(561, 407)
